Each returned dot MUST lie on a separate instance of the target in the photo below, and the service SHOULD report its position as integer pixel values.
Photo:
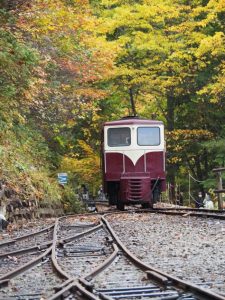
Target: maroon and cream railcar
(133, 161)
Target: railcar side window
(119, 137)
(148, 136)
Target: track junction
(106, 256)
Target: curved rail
(26, 236)
(53, 256)
(71, 283)
(26, 266)
(66, 240)
(83, 284)
(32, 262)
(159, 275)
(27, 250)
(74, 237)
(85, 280)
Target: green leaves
(17, 65)
(69, 65)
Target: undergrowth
(26, 168)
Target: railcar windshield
(148, 136)
(119, 137)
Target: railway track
(184, 245)
(31, 240)
(82, 257)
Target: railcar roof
(133, 121)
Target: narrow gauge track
(87, 264)
(40, 277)
(19, 251)
(31, 240)
(220, 214)
(126, 280)
(185, 245)
(78, 255)
(69, 225)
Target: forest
(67, 66)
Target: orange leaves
(91, 93)
(84, 70)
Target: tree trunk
(132, 102)
(170, 112)
(171, 171)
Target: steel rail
(187, 212)
(85, 280)
(88, 294)
(20, 238)
(73, 287)
(88, 214)
(32, 262)
(6, 278)
(66, 240)
(71, 283)
(74, 237)
(53, 255)
(157, 209)
(4, 283)
(26, 266)
(26, 250)
(182, 284)
(59, 294)
(204, 210)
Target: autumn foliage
(66, 66)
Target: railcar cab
(133, 161)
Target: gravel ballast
(190, 248)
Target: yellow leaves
(215, 89)
(110, 2)
(188, 134)
(174, 160)
(91, 93)
(181, 141)
(126, 16)
(88, 151)
(71, 123)
(217, 5)
(55, 17)
(87, 169)
(214, 45)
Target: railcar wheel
(146, 205)
(113, 190)
(112, 199)
(120, 205)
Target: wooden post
(220, 187)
